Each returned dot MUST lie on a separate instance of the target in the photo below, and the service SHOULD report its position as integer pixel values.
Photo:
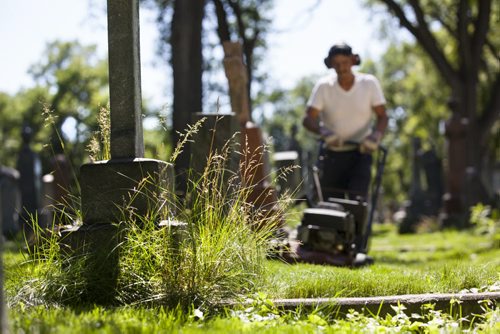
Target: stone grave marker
(30, 180)
(3, 318)
(292, 180)
(255, 162)
(55, 189)
(9, 208)
(217, 130)
(10, 201)
(127, 179)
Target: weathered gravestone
(3, 318)
(255, 163)
(30, 181)
(127, 180)
(292, 158)
(56, 186)
(219, 130)
(425, 201)
(433, 171)
(415, 206)
(10, 201)
(287, 162)
(9, 206)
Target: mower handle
(382, 148)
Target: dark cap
(341, 49)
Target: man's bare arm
(311, 120)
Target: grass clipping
(206, 247)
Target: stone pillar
(415, 206)
(3, 319)
(30, 181)
(10, 201)
(125, 79)
(236, 75)
(127, 185)
(455, 132)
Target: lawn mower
(335, 231)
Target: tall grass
(196, 250)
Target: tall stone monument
(3, 319)
(456, 136)
(255, 163)
(10, 201)
(30, 180)
(127, 181)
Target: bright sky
(298, 50)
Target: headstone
(218, 130)
(127, 180)
(255, 169)
(415, 206)
(9, 207)
(255, 165)
(107, 184)
(425, 198)
(433, 171)
(10, 201)
(3, 318)
(30, 180)
(289, 178)
(56, 189)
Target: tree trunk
(187, 74)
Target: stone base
(108, 187)
(94, 251)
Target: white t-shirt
(347, 113)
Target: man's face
(342, 64)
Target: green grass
(404, 264)
(261, 317)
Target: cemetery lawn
(449, 261)
(440, 262)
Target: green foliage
(486, 221)
(71, 80)
(99, 147)
(415, 108)
(453, 56)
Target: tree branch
(463, 34)
(222, 24)
(425, 38)
(481, 25)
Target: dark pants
(345, 174)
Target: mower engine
(332, 231)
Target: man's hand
(330, 138)
(333, 141)
(370, 143)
